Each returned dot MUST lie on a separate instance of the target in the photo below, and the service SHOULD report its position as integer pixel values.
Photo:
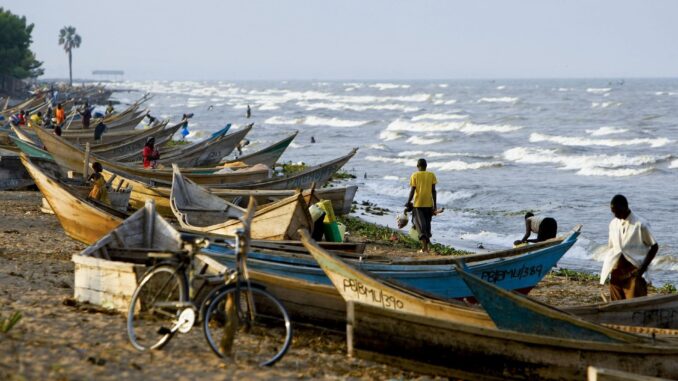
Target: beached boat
(198, 210)
(122, 123)
(318, 175)
(82, 219)
(267, 156)
(658, 311)
(402, 327)
(207, 153)
(72, 157)
(12, 173)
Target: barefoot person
(423, 190)
(544, 227)
(150, 154)
(631, 249)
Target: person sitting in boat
(544, 227)
(423, 191)
(36, 119)
(110, 109)
(98, 191)
(150, 154)
(631, 249)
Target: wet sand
(58, 339)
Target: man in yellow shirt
(423, 190)
(36, 119)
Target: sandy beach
(59, 339)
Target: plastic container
(414, 234)
(316, 212)
(332, 233)
(342, 231)
(326, 205)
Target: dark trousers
(422, 221)
(548, 228)
(629, 288)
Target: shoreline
(59, 339)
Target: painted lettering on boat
(375, 296)
(513, 273)
(660, 317)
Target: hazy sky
(289, 39)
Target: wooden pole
(85, 169)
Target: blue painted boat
(511, 269)
(519, 313)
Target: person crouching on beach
(631, 248)
(150, 154)
(544, 227)
(98, 191)
(423, 190)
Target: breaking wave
(423, 141)
(598, 90)
(316, 121)
(438, 117)
(536, 137)
(466, 127)
(602, 131)
(498, 100)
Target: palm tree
(70, 40)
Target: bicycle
(240, 319)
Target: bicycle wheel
(152, 311)
(261, 336)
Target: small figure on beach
(312, 139)
(249, 112)
(110, 109)
(423, 191)
(184, 127)
(86, 114)
(151, 119)
(150, 154)
(60, 114)
(98, 191)
(544, 227)
(631, 249)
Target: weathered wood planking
(106, 283)
(601, 374)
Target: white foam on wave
(602, 131)
(282, 120)
(387, 135)
(673, 164)
(377, 146)
(392, 178)
(438, 117)
(311, 106)
(502, 87)
(586, 165)
(443, 85)
(333, 122)
(498, 100)
(447, 197)
(431, 154)
(490, 238)
(454, 165)
(536, 137)
(389, 86)
(466, 127)
(316, 121)
(269, 106)
(423, 141)
(598, 90)
(605, 104)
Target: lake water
(560, 148)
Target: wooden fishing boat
(206, 153)
(73, 157)
(12, 173)
(82, 219)
(87, 135)
(659, 311)
(267, 156)
(106, 273)
(601, 374)
(116, 121)
(167, 151)
(198, 210)
(406, 328)
(318, 175)
(134, 145)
